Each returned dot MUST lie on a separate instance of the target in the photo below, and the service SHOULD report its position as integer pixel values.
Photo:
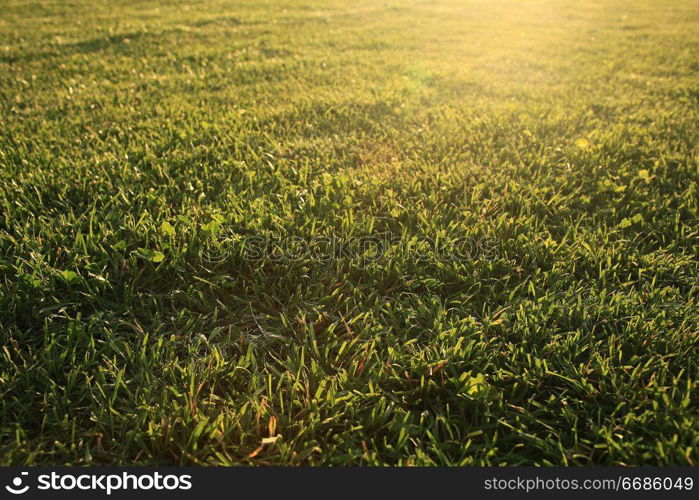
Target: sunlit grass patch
(192, 195)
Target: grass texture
(144, 144)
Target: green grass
(141, 143)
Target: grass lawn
(187, 189)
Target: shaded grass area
(142, 145)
